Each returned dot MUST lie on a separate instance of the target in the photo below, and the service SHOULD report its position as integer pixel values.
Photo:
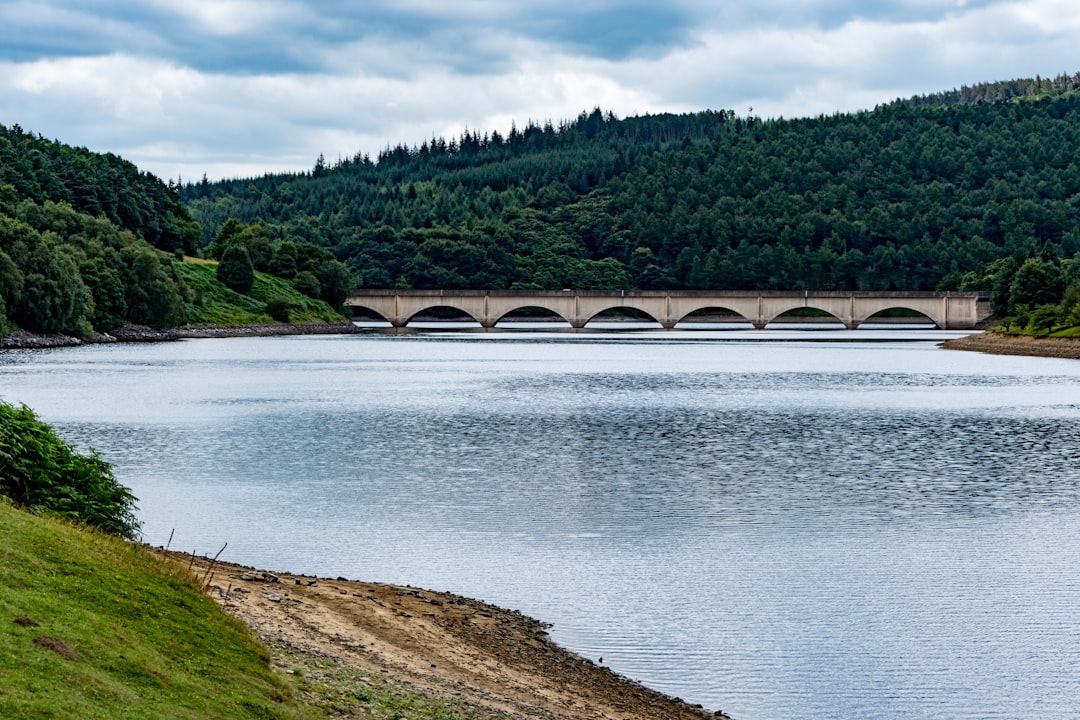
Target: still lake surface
(761, 522)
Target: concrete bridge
(948, 311)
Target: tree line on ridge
(975, 189)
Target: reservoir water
(760, 522)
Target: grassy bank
(214, 304)
(95, 627)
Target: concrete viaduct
(947, 310)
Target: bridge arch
(932, 310)
(687, 313)
(439, 306)
(838, 308)
(503, 314)
(883, 316)
(597, 315)
(818, 316)
(363, 311)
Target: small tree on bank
(235, 270)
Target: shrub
(235, 270)
(277, 307)
(306, 283)
(1044, 318)
(43, 473)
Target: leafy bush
(305, 282)
(277, 307)
(235, 270)
(43, 473)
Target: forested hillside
(89, 242)
(917, 195)
(86, 240)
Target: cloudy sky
(236, 88)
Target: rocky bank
(1000, 344)
(497, 663)
(20, 339)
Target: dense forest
(86, 240)
(948, 191)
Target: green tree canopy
(1037, 282)
(54, 298)
(235, 270)
(109, 305)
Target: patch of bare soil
(999, 344)
(57, 645)
(435, 643)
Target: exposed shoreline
(497, 662)
(1000, 344)
(22, 340)
(987, 342)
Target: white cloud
(115, 89)
(395, 87)
(230, 17)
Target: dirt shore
(496, 663)
(999, 344)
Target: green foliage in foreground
(42, 473)
(270, 299)
(145, 642)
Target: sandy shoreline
(498, 663)
(999, 344)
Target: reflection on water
(785, 529)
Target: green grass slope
(119, 634)
(215, 304)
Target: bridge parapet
(950, 311)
